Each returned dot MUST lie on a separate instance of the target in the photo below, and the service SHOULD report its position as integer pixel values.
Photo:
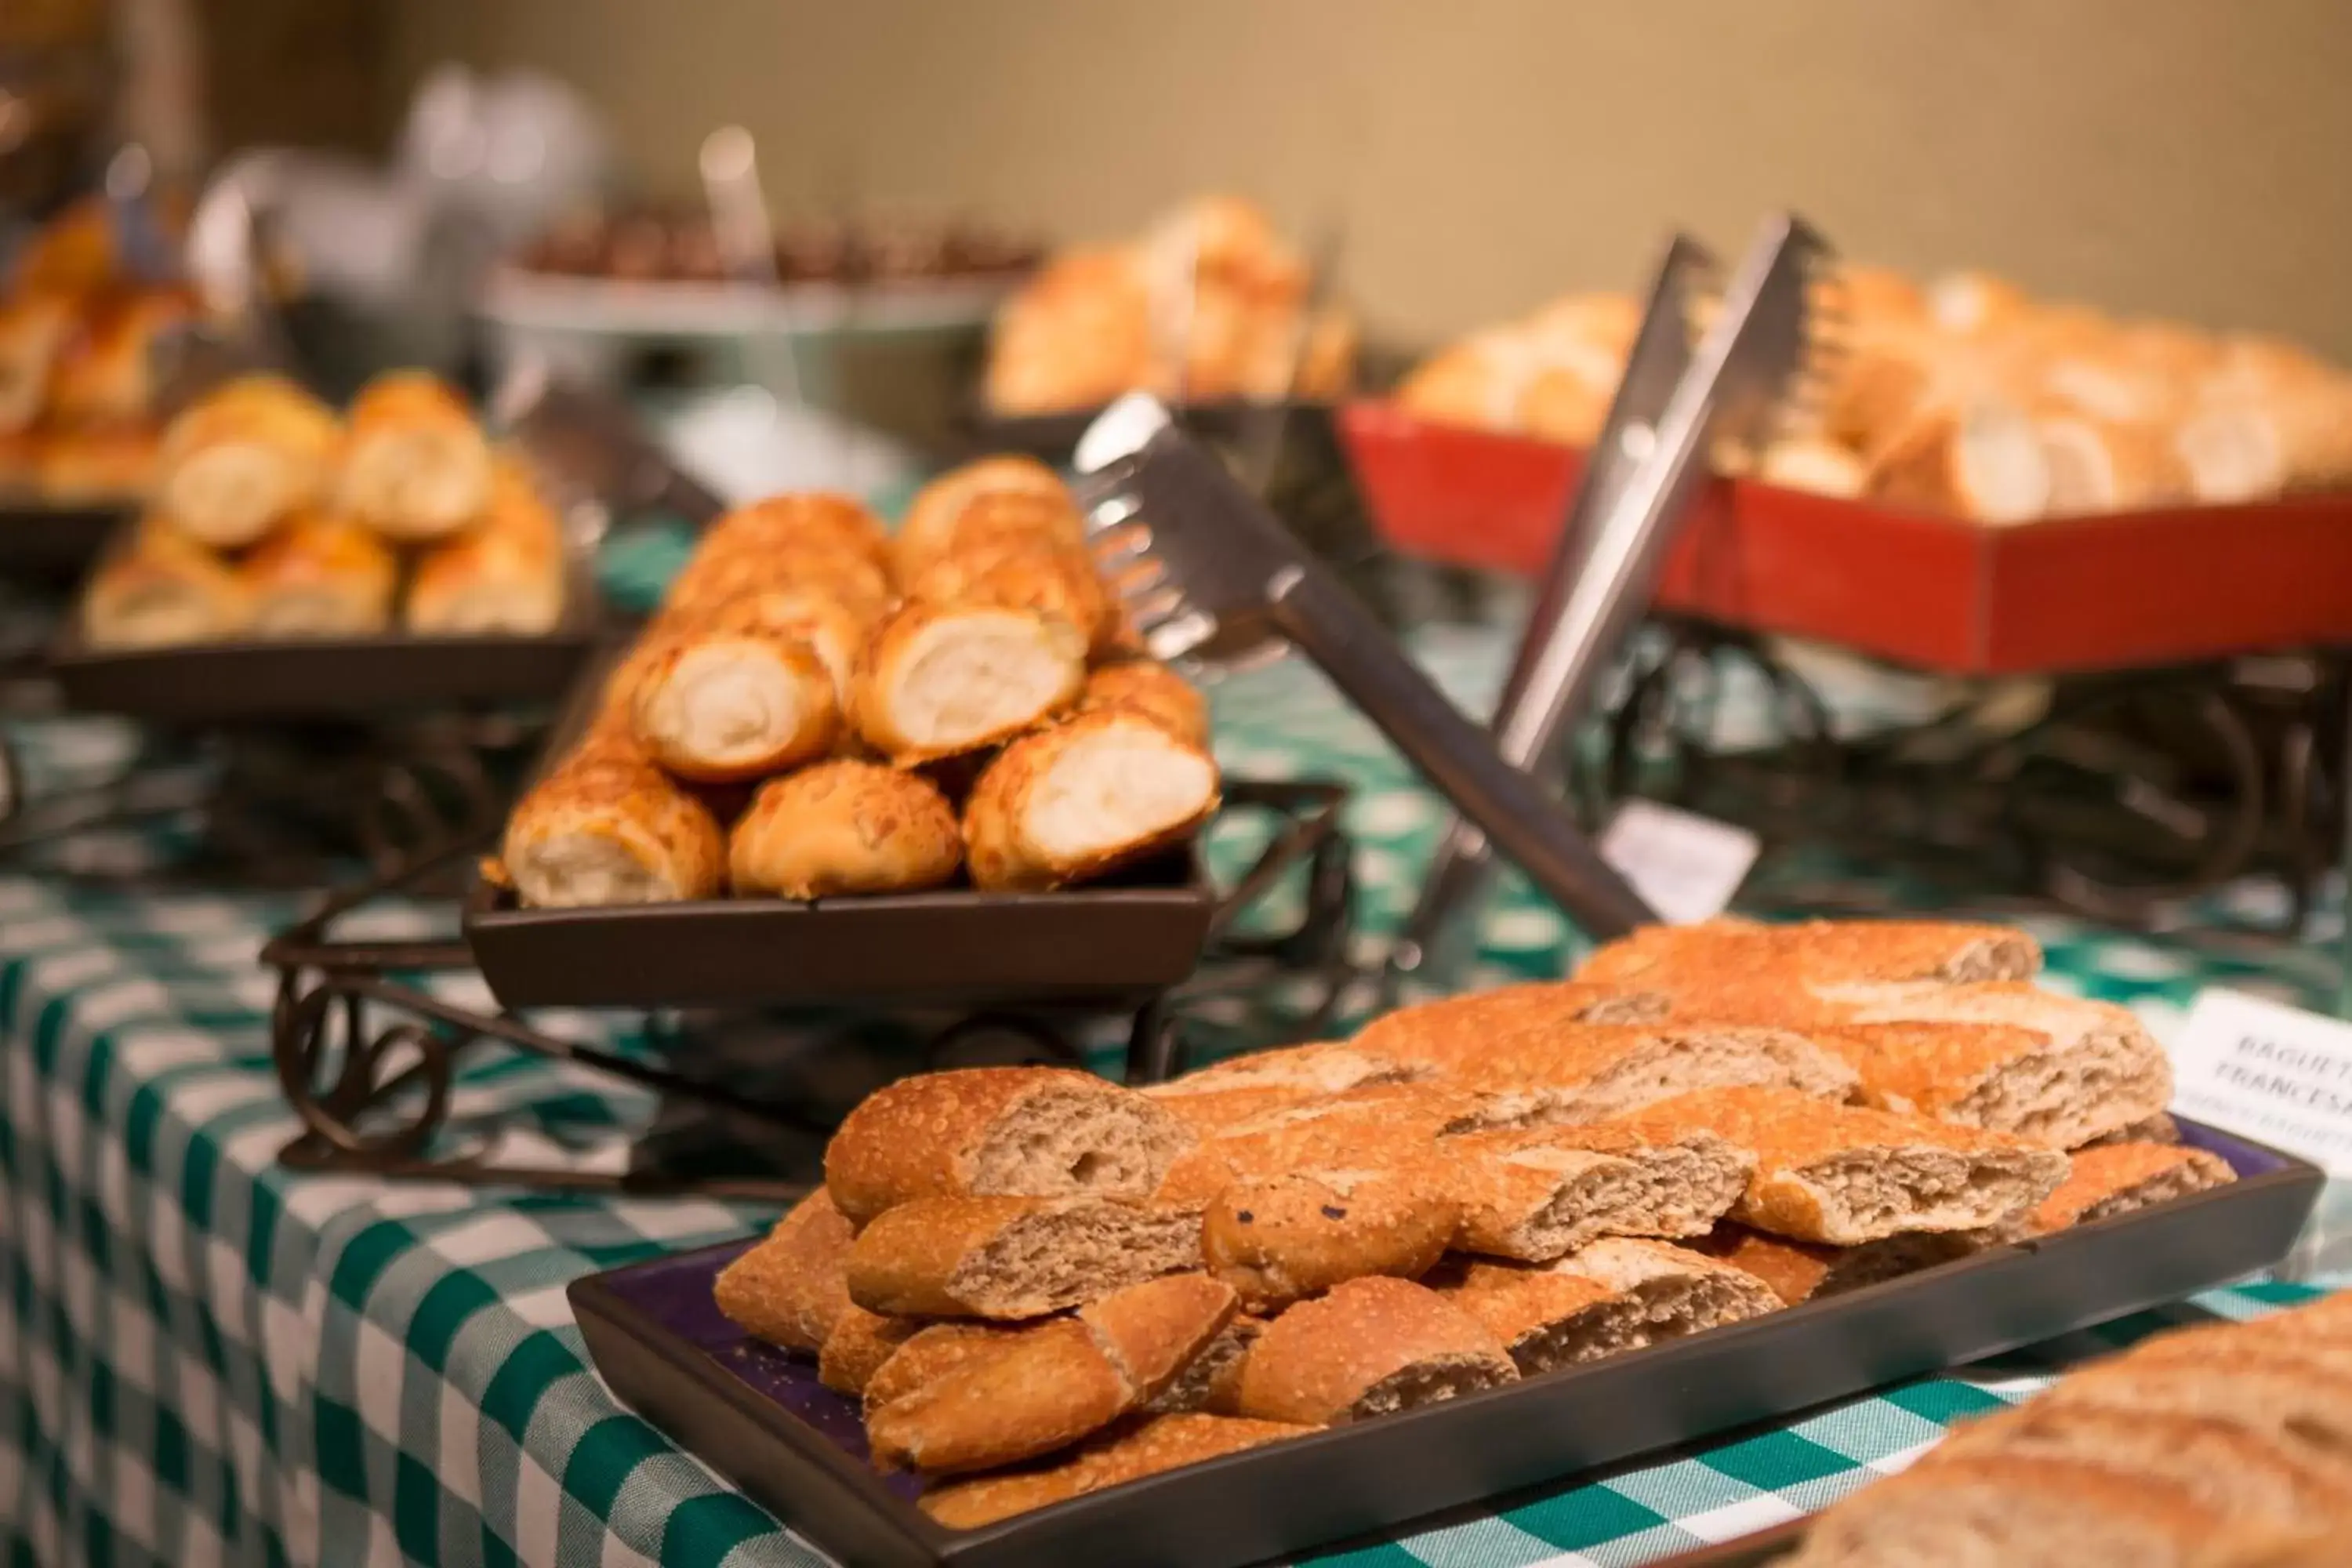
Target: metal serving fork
(1195, 556)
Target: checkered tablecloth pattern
(205, 1359)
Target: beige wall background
(2188, 157)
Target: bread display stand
(989, 977)
(2197, 693)
(759, 1417)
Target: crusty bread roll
(1042, 576)
(860, 1346)
(1445, 1031)
(793, 1287)
(1167, 1443)
(1013, 1257)
(416, 466)
(110, 370)
(2003, 1055)
(1085, 797)
(716, 577)
(2017, 1512)
(33, 330)
(814, 520)
(936, 519)
(245, 456)
(1150, 689)
(612, 831)
(1018, 1132)
(99, 462)
(1614, 1296)
(723, 707)
(1077, 335)
(931, 1353)
(1369, 1348)
(1977, 457)
(1801, 1271)
(1539, 1192)
(2122, 1178)
(164, 589)
(504, 575)
(319, 574)
(1844, 1174)
(938, 680)
(1280, 1239)
(1686, 959)
(844, 827)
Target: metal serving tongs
(1196, 557)
(1771, 342)
(1435, 939)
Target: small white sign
(1684, 866)
(2271, 1073)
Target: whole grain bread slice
(1279, 1240)
(1010, 1132)
(1616, 1296)
(1845, 1174)
(2112, 1179)
(1535, 1194)
(1798, 1271)
(1003, 1257)
(1593, 1072)
(1369, 1348)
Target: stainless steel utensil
(1195, 557)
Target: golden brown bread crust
(317, 555)
(1318, 1360)
(935, 517)
(1925, 1069)
(1821, 952)
(712, 577)
(1130, 1453)
(803, 727)
(273, 427)
(1515, 1302)
(791, 1287)
(920, 1136)
(1152, 1332)
(415, 465)
(931, 1353)
(1045, 1387)
(1458, 1030)
(904, 1260)
(202, 597)
(1277, 1240)
(98, 462)
(659, 826)
(505, 574)
(1041, 576)
(1150, 688)
(1518, 1186)
(819, 522)
(2117, 1178)
(1000, 842)
(860, 1346)
(844, 827)
(1800, 1142)
(1885, 1517)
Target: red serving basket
(2125, 591)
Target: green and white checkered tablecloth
(204, 1359)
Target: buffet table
(205, 1358)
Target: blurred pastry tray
(57, 540)
(759, 1417)
(329, 677)
(1948, 594)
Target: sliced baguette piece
(1279, 1240)
(1040, 1388)
(1845, 1174)
(1578, 1073)
(1148, 1449)
(2014, 1513)
(1212, 1380)
(1536, 1193)
(1007, 1259)
(1372, 1347)
(861, 1344)
(1617, 1296)
(1306, 1072)
(2241, 1474)
(791, 1287)
(1087, 796)
(931, 1353)
(2265, 1386)
(1798, 1271)
(2158, 1128)
(1458, 1028)
(2119, 1178)
(2100, 1070)
(1820, 951)
(1023, 1131)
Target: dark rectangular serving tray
(1107, 946)
(51, 542)
(329, 677)
(760, 1418)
